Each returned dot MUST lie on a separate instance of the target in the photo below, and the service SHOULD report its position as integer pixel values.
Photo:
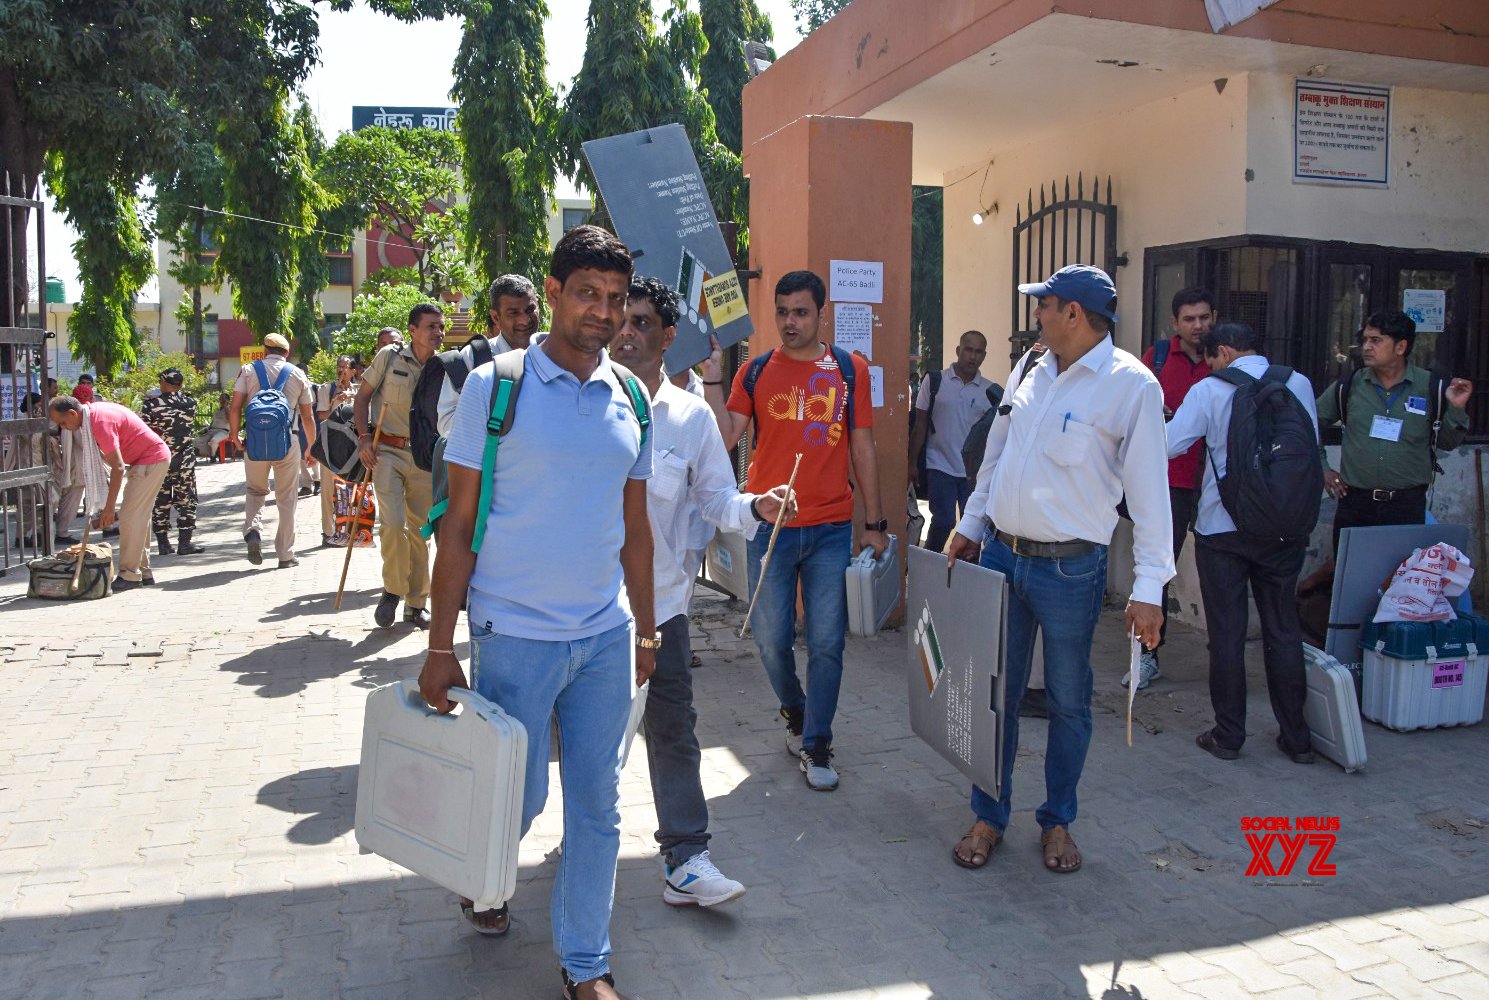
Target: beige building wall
(1178, 173)
(1439, 145)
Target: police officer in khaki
(403, 489)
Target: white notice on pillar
(876, 386)
(856, 281)
(853, 327)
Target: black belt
(1386, 496)
(1044, 550)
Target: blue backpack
(267, 417)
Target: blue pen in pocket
(1066, 423)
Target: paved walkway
(178, 769)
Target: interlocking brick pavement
(178, 775)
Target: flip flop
(984, 838)
(1058, 845)
(468, 912)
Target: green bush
(322, 368)
(128, 388)
(376, 308)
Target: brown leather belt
(1045, 550)
(392, 441)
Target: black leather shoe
(287, 563)
(255, 547)
(1206, 741)
(148, 579)
(122, 584)
(416, 616)
(305, 491)
(385, 610)
(65, 540)
(1304, 757)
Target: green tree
(508, 126)
(129, 388)
(728, 24)
(636, 75)
(387, 305)
(188, 201)
(926, 245)
(321, 368)
(813, 14)
(405, 180)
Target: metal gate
(1044, 240)
(25, 473)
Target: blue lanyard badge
(1391, 400)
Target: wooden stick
(776, 533)
(77, 572)
(354, 516)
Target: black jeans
(1182, 504)
(1357, 510)
(1227, 563)
(672, 754)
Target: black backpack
(423, 412)
(1273, 480)
(975, 446)
(994, 398)
(335, 444)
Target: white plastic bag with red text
(1422, 585)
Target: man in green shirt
(1386, 462)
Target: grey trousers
(672, 754)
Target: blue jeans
(586, 684)
(948, 498)
(1061, 598)
(817, 556)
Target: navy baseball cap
(1090, 286)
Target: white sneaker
(794, 722)
(696, 882)
(816, 764)
(1147, 670)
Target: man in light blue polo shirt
(551, 633)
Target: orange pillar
(825, 189)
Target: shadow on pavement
(326, 796)
(292, 665)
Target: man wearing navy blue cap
(1081, 428)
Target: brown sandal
(981, 841)
(1060, 853)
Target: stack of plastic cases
(441, 795)
(1331, 710)
(1412, 677)
(873, 589)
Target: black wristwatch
(756, 511)
(881, 525)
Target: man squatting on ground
(551, 635)
(120, 439)
(404, 491)
(1083, 426)
(800, 405)
(691, 475)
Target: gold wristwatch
(655, 642)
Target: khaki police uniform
(404, 491)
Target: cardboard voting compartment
(656, 197)
(955, 663)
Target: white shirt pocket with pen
(1069, 443)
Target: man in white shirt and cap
(691, 475)
(1082, 427)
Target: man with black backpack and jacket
(1396, 416)
(946, 406)
(1252, 527)
(514, 316)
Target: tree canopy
(383, 305)
(813, 14)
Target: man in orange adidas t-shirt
(798, 398)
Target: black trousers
(1227, 563)
(1357, 510)
(1182, 504)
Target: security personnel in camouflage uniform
(171, 415)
